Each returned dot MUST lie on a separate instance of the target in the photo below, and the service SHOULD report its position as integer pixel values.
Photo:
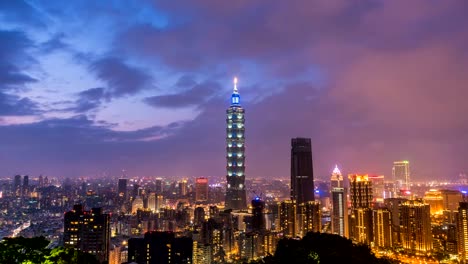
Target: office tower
(378, 188)
(394, 206)
(288, 218)
(463, 232)
(360, 222)
(198, 216)
(183, 187)
(451, 199)
(308, 217)
(434, 199)
(201, 189)
(46, 181)
(25, 185)
(401, 175)
(363, 232)
(160, 248)
(235, 145)
(360, 189)
(137, 204)
(382, 228)
(122, 189)
(135, 191)
(41, 181)
(336, 180)
(302, 176)
(258, 216)
(416, 227)
(339, 215)
(201, 253)
(88, 231)
(17, 185)
(159, 185)
(152, 202)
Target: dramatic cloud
(13, 55)
(121, 78)
(195, 96)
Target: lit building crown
(235, 97)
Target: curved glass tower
(235, 156)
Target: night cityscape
(210, 131)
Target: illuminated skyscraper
(339, 216)
(235, 145)
(415, 224)
(382, 228)
(302, 176)
(258, 217)
(360, 191)
(336, 180)
(88, 231)
(122, 189)
(401, 175)
(463, 232)
(201, 189)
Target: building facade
(235, 145)
(88, 231)
(302, 176)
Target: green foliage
(23, 250)
(34, 251)
(62, 255)
(321, 248)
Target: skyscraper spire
(235, 86)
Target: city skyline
(89, 89)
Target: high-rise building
(183, 187)
(235, 146)
(415, 228)
(401, 175)
(394, 206)
(308, 217)
(88, 231)
(201, 189)
(382, 228)
(302, 176)
(17, 185)
(122, 189)
(152, 201)
(137, 204)
(339, 215)
(288, 218)
(336, 180)
(25, 185)
(434, 199)
(378, 188)
(451, 199)
(363, 232)
(159, 185)
(258, 216)
(360, 189)
(463, 232)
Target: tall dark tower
(258, 217)
(302, 175)
(235, 148)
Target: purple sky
(89, 88)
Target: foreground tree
(23, 250)
(324, 249)
(34, 251)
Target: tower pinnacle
(235, 85)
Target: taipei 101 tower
(235, 156)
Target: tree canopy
(34, 251)
(322, 248)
